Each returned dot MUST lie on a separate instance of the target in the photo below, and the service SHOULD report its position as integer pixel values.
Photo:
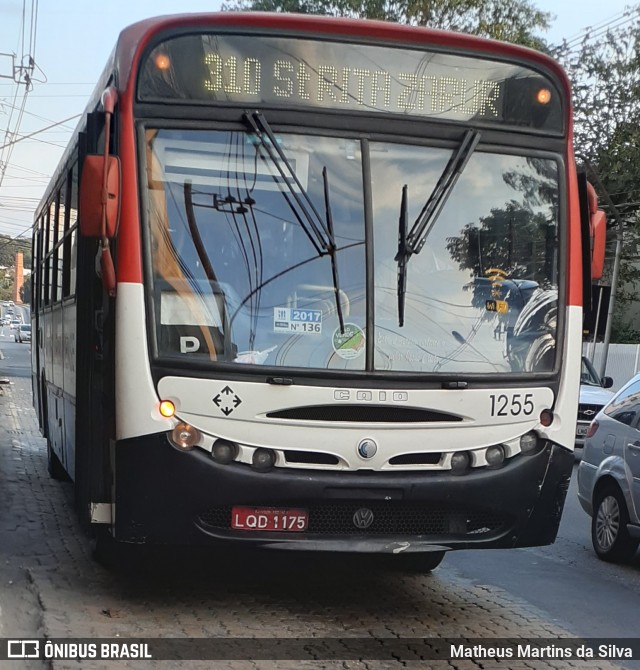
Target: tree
(8, 248)
(516, 21)
(25, 290)
(605, 72)
(512, 238)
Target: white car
(23, 333)
(609, 475)
(593, 397)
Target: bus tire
(609, 534)
(54, 466)
(422, 563)
(114, 556)
(105, 550)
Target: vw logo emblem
(363, 518)
(367, 448)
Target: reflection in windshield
(486, 257)
(262, 294)
(238, 279)
(411, 242)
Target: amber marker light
(163, 62)
(543, 96)
(167, 409)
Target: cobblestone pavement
(51, 586)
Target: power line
(569, 46)
(584, 31)
(37, 116)
(17, 238)
(42, 130)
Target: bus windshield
(239, 278)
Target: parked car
(593, 397)
(15, 324)
(609, 475)
(23, 333)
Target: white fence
(623, 361)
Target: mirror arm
(109, 99)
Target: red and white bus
(315, 284)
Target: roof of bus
(134, 38)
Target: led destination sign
(292, 73)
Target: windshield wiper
(319, 232)
(312, 224)
(412, 242)
(403, 255)
(332, 248)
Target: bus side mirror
(597, 232)
(91, 184)
(598, 226)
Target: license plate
(269, 519)
(582, 430)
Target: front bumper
(166, 496)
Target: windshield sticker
(253, 357)
(287, 320)
(349, 344)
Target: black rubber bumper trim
(161, 492)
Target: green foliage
(25, 290)
(516, 21)
(494, 243)
(605, 73)
(9, 247)
(622, 332)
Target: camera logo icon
(23, 649)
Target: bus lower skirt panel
(168, 497)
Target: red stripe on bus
(129, 258)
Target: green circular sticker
(349, 344)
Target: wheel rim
(607, 523)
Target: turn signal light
(167, 409)
(593, 427)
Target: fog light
(495, 455)
(224, 452)
(528, 443)
(264, 459)
(460, 462)
(184, 436)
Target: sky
(71, 41)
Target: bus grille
(336, 518)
